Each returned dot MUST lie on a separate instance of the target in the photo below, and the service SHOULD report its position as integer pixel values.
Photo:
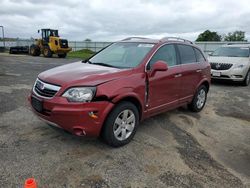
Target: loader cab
(46, 33)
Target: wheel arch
(134, 101)
(127, 98)
(206, 83)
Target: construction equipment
(50, 44)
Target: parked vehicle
(19, 50)
(108, 94)
(50, 44)
(231, 62)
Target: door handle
(198, 70)
(178, 75)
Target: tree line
(214, 36)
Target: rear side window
(200, 58)
(187, 54)
(166, 53)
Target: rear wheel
(34, 50)
(247, 79)
(47, 52)
(199, 99)
(62, 55)
(121, 124)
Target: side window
(199, 56)
(187, 54)
(166, 53)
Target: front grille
(221, 66)
(44, 89)
(64, 43)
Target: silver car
(231, 62)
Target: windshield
(231, 52)
(122, 55)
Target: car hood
(232, 60)
(75, 74)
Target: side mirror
(210, 53)
(159, 66)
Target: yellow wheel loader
(50, 44)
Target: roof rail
(131, 38)
(175, 39)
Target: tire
(199, 99)
(247, 79)
(34, 50)
(62, 55)
(47, 52)
(116, 132)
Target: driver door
(164, 86)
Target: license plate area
(215, 73)
(37, 104)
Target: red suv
(108, 94)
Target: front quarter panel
(130, 86)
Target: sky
(109, 20)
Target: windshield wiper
(104, 64)
(86, 61)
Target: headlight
(239, 66)
(80, 94)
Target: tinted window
(199, 56)
(166, 53)
(231, 52)
(187, 54)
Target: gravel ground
(176, 148)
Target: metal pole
(3, 36)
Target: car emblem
(217, 66)
(40, 85)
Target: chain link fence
(207, 47)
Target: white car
(231, 62)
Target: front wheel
(121, 124)
(47, 52)
(199, 99)
(247, 79)
(62, 55)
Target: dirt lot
(177, 148)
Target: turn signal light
(93, 115)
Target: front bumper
(74, 116)
(230, 74)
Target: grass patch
(82, 54)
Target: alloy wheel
(124, 125)
(248, 78)
(201, 98)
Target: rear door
(204, 69)
(191, 72)
(164, 86)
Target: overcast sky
(103, 20)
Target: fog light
(236, 76)
(79, 131)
